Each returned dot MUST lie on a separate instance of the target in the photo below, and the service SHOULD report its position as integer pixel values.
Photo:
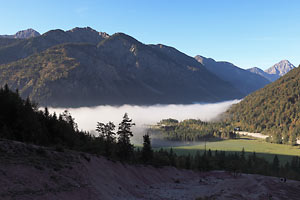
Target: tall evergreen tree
(147, 152)
(125, 148)
(106, 132)
(275, 163)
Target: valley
(149, 100)
(249, 144)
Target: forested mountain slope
(115, 70)
(273, 110)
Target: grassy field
(260, 147)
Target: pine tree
(209, 154)
(106, 132)
(243, 154)
(147, 152)
(275, 163)
(172, 157)
(125, 148)
(188, 161)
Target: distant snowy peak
(280, 68)
(24, 34)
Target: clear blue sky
(247, 33)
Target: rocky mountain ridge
(275, 72)
(245, 81)
(84, 68)
(24, 34)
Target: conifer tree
(147, 152)
(106, 132)
(125, 148)
(275, 163)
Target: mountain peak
(256, 70)
(88, 30)
(24, 34)
(280, 68)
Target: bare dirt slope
(29, 172)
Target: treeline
(235, 163)
(22, 121)
(193, 130)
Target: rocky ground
(29, 172)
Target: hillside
(275, 72)
(118, 70)
(273, 110)
(68, 164)
(246, 82)
(74, 175)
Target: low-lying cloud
(87, 117)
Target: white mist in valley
(142, 116)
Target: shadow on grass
(245, 138)
(283, 159)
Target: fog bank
(87, 117)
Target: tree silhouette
(147, 152)
(106, 132)
(275, 164)
(125, 148)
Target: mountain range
(245, 81)
(275, 72)
(83, 67)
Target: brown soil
(29, 172)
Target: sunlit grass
(250, 145)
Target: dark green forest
(273, 110)
(193, 130)
(21, 120)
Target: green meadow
(250, 145)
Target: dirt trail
(29, 172)
(257, 135)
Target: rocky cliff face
(280, 68)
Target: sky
(248, 33)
